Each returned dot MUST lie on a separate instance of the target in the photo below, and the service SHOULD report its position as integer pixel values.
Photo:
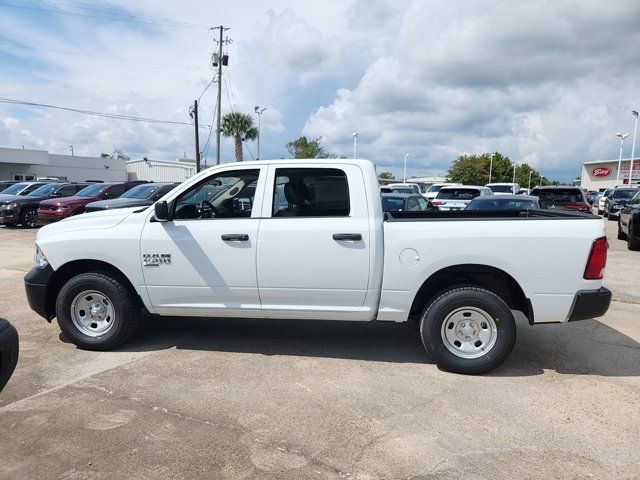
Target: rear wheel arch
(69, 270)
(490, 278)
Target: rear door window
(310, 192)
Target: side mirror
(8, 351)
(106, 196)
(161, 211)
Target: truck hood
(87, 221)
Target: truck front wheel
(468, 330)
(96, 311)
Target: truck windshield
(141, 191)
(624, 193)
(502, 188)
(91, 190)
(559, 195)
(14, 189)
(44, 190)
(458, 194)
(392, 204)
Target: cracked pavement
(250, 399)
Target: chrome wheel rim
(31, 218)
(469, 332)
(92, 313)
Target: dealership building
(603, 174)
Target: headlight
(40, 260)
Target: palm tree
(240, 127)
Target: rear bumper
(590, 304)
(36, 284)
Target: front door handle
(347, 236)
(235, 237)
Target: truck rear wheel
(96, 311)
(468, 330)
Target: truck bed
(457, 215)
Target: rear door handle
(347, 236)
(235, 237)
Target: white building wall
(40, 163)
(603, 174)
(159, 171)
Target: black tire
(126, 308)
(29, 218)
(610, 218)
(633, 242)
(450, 301)
(621, 234)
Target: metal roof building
(161, 170)
(602, 174)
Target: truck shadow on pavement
(583, 348)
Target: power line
(77, 54)
(112, 19)
(116, 116)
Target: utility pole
(491, 166)
(218, 60)
(70, 148)
(259, 112)
(194, 114)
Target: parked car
(592, 197)
(22, 188)
(329, 253)
(23, 209)
(4, 184)
(565, 198)
(629, 222)
(457, 198)
(139, 196)
(603, 199)
(616, 200)
(524, 191)
(9, 351)
(505, 202)
(405, 202)
(60, 208)
(433, 190)
(504, 188)
(403, 188)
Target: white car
(403, 188)
(325, 251)
(433, 190)
(504, 188)
(457, 198)
(603, 199)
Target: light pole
(404, 175)
(355, 144)
(633, 147)
(259, 113)
(621, 136)
(513, 183)
(490, 166)
(529, 187)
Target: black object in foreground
(8, 351)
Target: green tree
(304, 148)
(117, 154)
(238, 126)
(386, 176)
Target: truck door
(203, 261)
(313, 243)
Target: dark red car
(59, 208)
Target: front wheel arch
(76, 267)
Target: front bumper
(9, 216)
(36, 284)
(50, 216)
(590, 304)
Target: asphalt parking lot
(235, 399)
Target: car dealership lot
(207, 398)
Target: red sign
(601, 172)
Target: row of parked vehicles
(622, 204)
(497, 196)
(30, 204)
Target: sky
(547, 82)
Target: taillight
(577, 206)
(437, 202)
(597, 260)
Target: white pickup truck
(307, 239)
